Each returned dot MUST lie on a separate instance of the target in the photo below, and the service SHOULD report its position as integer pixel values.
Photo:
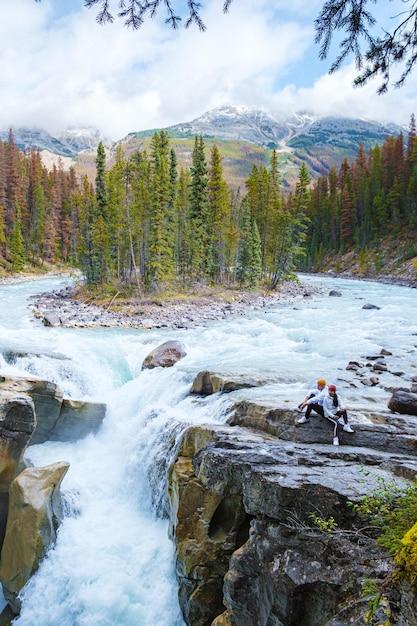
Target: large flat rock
(382, 431)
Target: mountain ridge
(246, 136)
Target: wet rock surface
(371, 307)
(207, 383)
(241, 500)
(17, 424)
(57, 419)
(403, 401)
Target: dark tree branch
(134, 12)
(376, 55)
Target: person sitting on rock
(313, 401)
(335, 412)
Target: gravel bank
(60, 308)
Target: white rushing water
(113, 561)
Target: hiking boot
(348, 428)
(335, 441)
(303, 419)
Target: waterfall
(113, 562)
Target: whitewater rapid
(113, 563)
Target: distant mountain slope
(245, 137)
(238, 156)
(67, 144)
(301, 137)
(240, 123)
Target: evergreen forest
(150, 224)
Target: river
(113, 563)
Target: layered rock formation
(17, 424)
(207, 383)
(35, 512)
(33, 411)
(242, 503)
(58, 419)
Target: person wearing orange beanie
(313, 401)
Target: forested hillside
(150, 224)
(364, 203)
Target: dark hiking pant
(317, 408)
(334, 420)
(342, 413)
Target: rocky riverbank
(386, 279)
(51, 272)
(262, 519)
(392, 261)
(64, 308)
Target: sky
(60, 69)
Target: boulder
(335, 293)
(385, 352)
(403, 402)
(17, 424)
(47, 398)
(371, 307)
(165, 355)
(298, 576)
(35, 512)
(247, 552)
(354, 365)
(207, 383)
(58, 419)
(380, 367)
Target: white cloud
(334, 94)
(69, 71)
(73, 72)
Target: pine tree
(161, 265)
(245, 251)
(17, 244)
(412, 134)
(200, 235)
(346, 218)
(98, 242)
(255, 267)
(13, 192)
(183, 233)
(219, 215)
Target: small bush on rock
(392, 511)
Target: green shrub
(325, 525)
(392, 511)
